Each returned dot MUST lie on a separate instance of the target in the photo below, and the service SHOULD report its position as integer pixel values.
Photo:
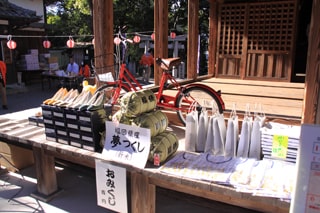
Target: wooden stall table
(69, 81)
(143, 181)
(26, 75)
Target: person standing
(3, 75)
(84, 70)
(73, 67)
(147, 61)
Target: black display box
(81, 129)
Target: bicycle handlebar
(123, 39)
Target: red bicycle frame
(127, 81)
(167, 101)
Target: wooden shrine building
(247, 40)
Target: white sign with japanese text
(111, 184)
(127, 144)
(306, 196)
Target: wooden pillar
(193, 32)
(143, 194)
(213, 32)
(47, 185)
(311, 107)
(103, 35)
(161, 35)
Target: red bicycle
(182, 99)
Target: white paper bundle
(191, 135)
(232, 135)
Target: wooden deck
(279, 100)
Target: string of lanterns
(11, 44)
(137, 38)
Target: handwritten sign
(306, 195)
(127, 144)
(279, 146)
(111, 187)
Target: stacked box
(76, 128)
(53, 63)
(49, 62)
(72, 124)
(48, 122)
(36, 120)
(29, 61)
(90, 128)
(43, 57)
(33, 51)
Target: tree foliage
(69, 17)
(74, 17)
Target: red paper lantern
(46, 44)
(116, 40)
(152, 36)
(136, 39)
(11, 44)
(70, 42)
(173, 35)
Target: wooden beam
(311, 106)
(143, 194)
(161, 35)
(193, 32)
(213, 32)
(103, 35)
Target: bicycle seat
(168, 63)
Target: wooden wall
(256, 40)
(311, 106)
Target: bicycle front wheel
(197, 98)
(113, 93)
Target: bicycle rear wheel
(197, 98)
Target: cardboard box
(52, 60)
(18, 157)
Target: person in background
(73, 67)
(84, 70)
(3, 75)
(147, 61)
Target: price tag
(156, 159)
(279, 146)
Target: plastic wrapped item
(191, 135)
(135, 103)
(232, 134)
(202, 131)
(164, 144)
(155, 121)
(216, 136)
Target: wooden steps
(279, 100)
